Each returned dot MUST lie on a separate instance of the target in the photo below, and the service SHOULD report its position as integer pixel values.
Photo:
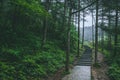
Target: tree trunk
(102, 37)
(68, 41)
(65, 8)
(116, 34)
(92, 29)
(78, 29)
(83, 29)
(45, 24)
(102, 42)
(44, 32)
(96, 32)
(109, 34)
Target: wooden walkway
(82, 70)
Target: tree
(102, 36)
(45, 23)
(96, 32)
(116, 29)
(83, 28)
(109, 34)
(92, 27)
(78, 29)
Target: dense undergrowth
(31, 65)
(113, 62)
(22, 30)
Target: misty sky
(88, 21)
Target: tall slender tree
(45, 23)
(96, 32)
(83, 28)
(116, 29)
(68, 38)
(92, 28)
(78, 29)
(102, 36)
(109, 25)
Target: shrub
(114, 72)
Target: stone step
(86, 55)
(84, 64)
(84, 60)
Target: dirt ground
(100, 73)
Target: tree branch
(84, 7)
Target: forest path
(101, 72)
(82, 70)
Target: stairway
(82, 70)
(86, 58)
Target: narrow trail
(82, 70)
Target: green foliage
(8, 72)
(114, 67)
(74, 39)
(21, 31)
(40, 64)
(114, 71)
(43, 63)
(31, 7)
